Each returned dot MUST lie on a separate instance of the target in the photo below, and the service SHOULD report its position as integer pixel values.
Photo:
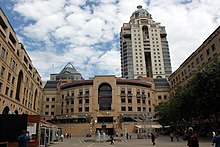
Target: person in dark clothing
(191, 137)
(23, 139)
(216, 139)
(153, 138)
(112, 140)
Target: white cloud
(70, 30)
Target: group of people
(67, 135)
(190, 136)
(192, 139)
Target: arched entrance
(6, 110)
(16, 112)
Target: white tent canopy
(149, 126)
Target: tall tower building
(144, 47)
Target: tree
(200, 98)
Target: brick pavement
(162, 141)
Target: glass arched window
(20, 79)
(105, 97)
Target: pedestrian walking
(153, 138)
(112, 140)
(216, 139)
(192, 139)
(61, 137)
(171, 136)
(177, 136)
(23, 139)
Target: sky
(86, 32)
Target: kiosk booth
(41, 133)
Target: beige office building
(81, 106)
(209, 50)
(144, 47)
(20, 83)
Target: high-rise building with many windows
(144, 47)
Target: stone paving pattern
(162, 141)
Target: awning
(148, 126)
(156, 126)
(138, 126)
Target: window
(47, 99)
(159, 97)
(192, 64)
(3, 52)
(53, 99)
(52, 113)
(67, 110)
(130, 101)
(197, 60)
(13, 80)
(0, 87)
(165, 97)
(11, 93)
(149, 109)
(129, 108)
(9, 77)
(12, 64)
(72, 110)
(123, 108)
(87, 101)
(6, 91)
(2, 71)
(72, 101)
(86, 109)
(213, 47)
(139, 108)
(138, 101)
(46, 113)
(80, 101)
(47, 106)
(207, 52)
(189, 68)
(52, 106)
(149, 102)
(201, 57)
(122, 100)
(80, 109)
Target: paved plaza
(162, 141)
